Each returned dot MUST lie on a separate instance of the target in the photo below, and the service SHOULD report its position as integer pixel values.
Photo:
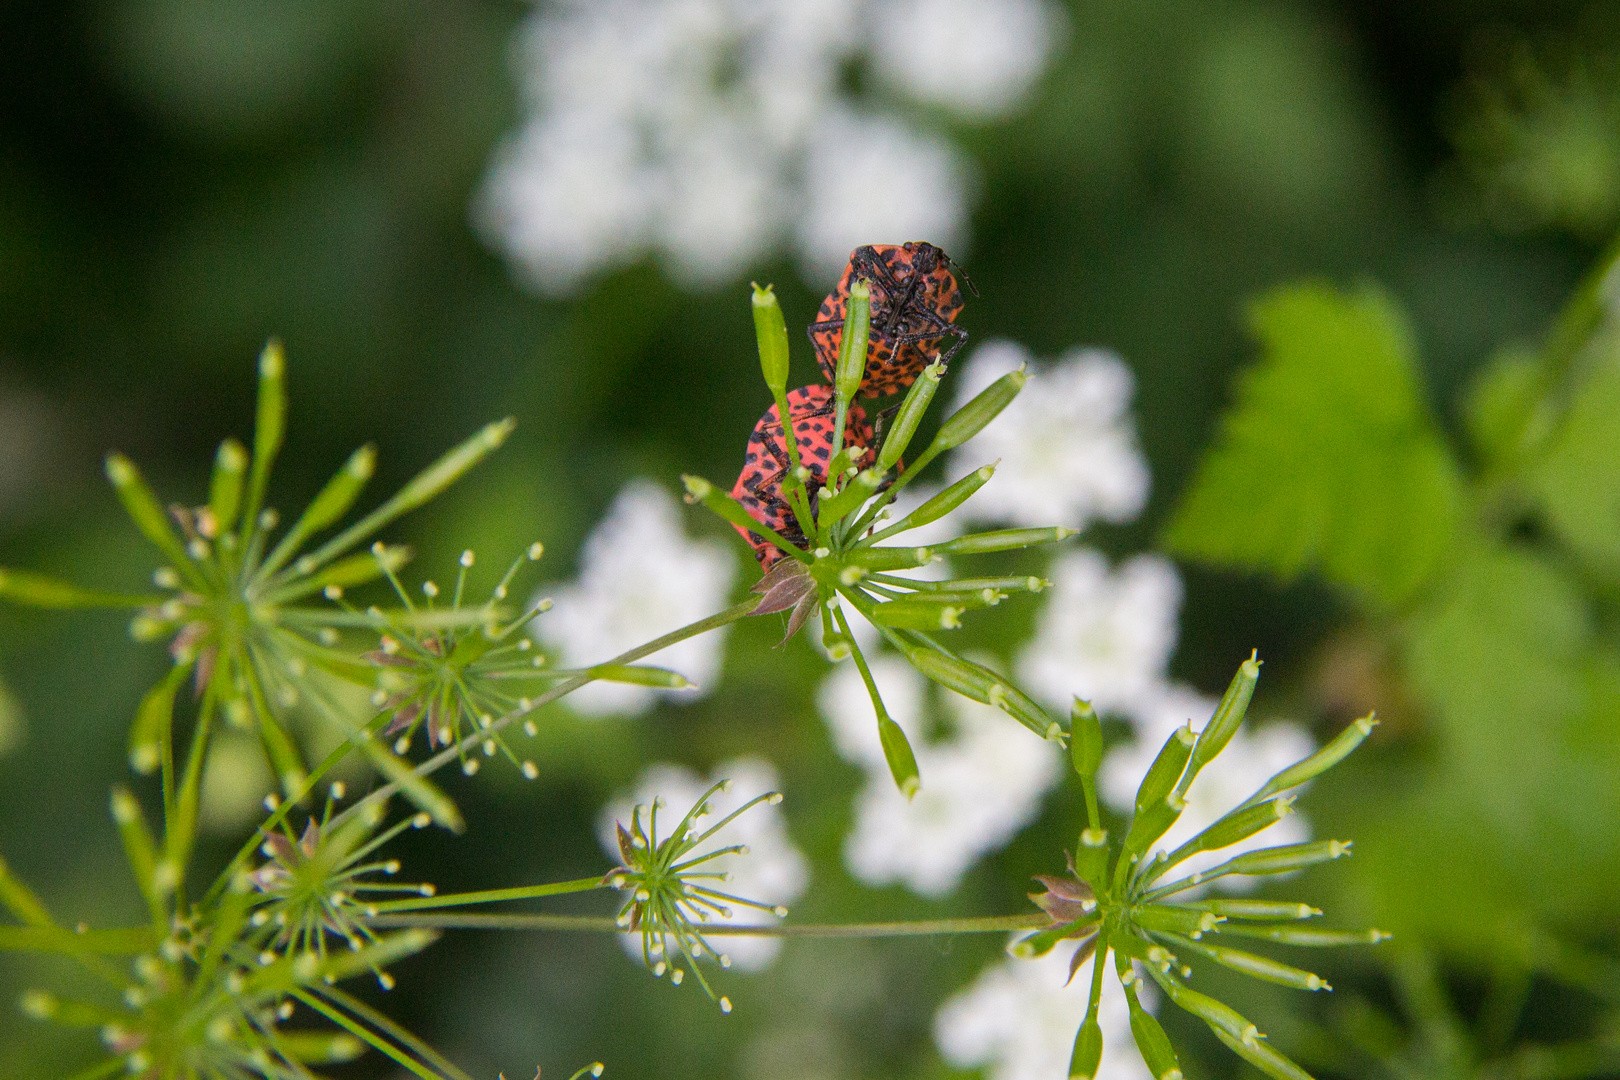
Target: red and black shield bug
(915, 301)
(766, 464)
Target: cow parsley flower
(1017, 1022)
(768, 868)
(1068, 449)
(985, 54)
(867, 176)
(640, 576)
(713, 132)
(980, 786)
(1104, 634)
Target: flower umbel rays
(244, 606)
(1116, 897)
(671, 889)
(325, 881)
(455, 669)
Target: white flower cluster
(1017, 1021)
(640, 576)
(712, 131)
(1067, 445)
(773, 871)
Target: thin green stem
(455, 752)
(990, 924)
(491, 896)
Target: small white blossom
(980, 786)
(1067, 444)
(1255, 755)
(1018, 1021)
(773, 871)
(983, 55)
(716, 131)
(1104, 635)
(640, 577)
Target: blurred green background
(181, 180)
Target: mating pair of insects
(915, 302)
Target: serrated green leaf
(1576, 479)
(1329, 460)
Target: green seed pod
(330, 504)
(969, 680)
(1286, 858)
(1318, 763)
(270, 422)
(1003, 540)
(225, 487)
(1166, 919)
(771, 331)
(910, 415)
(1148, 825)
(1217, 1014)
(1088, 1048)
(700, 490)
(1154, 1044)
(1091, 859)
(977, 584)
(917, 615)
(1234, 827)
(1262, 1056)
(1304, 936)
(1253, 909)
(852, 343)
(1021, 707)
(1086, 739)
(1261, 967)
(897, 752)
(153, 719)
(948, 500)
(143, 509)
(634, 674)
(889, 558)
(1224, 724)
(971, 418)
(1166, 769)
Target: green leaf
(1576, 479)
(1329, 459)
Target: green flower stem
(354, 1028)
(990, 924)
(99, 1072)
(455, 752)
(388, 1027)
(491, 896)
(124, 941)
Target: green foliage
(1575, 480)
(1329, 459)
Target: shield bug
(915, 302)
(766, 463)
